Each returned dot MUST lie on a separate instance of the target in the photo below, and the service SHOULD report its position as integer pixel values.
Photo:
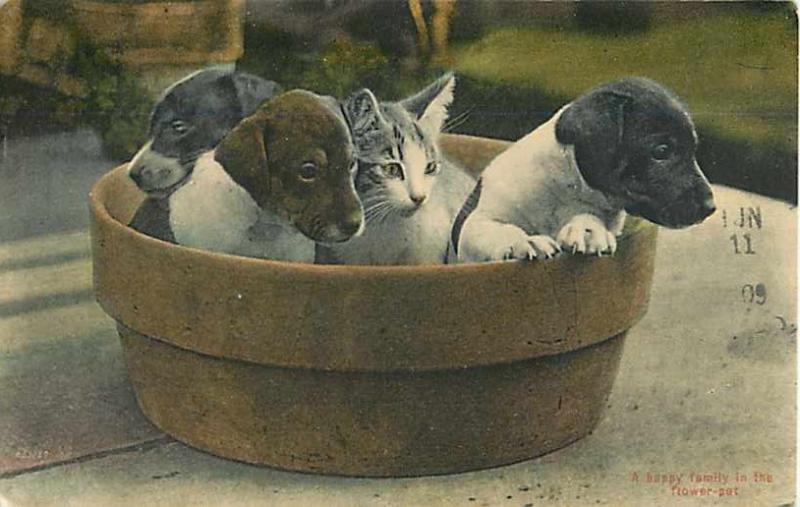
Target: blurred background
(94, 67)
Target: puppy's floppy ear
(243, 154)
(252, 91)
(595, 125)
(429, 106)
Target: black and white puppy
(191, 117)
(280, 181)
(628, 146)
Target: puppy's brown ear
(243, 154)
(595, 125)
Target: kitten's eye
(661, 152)
(179, 126)
(432, 168)
(308, 171)
(393, 170)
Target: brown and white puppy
(279, 181)
(626, 147)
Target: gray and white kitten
(410, 192)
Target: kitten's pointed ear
(362, 112)
(430, 105)
(243, 154)
(252, 91)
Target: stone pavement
(706, 385)
(44, 181)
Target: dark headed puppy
(190, 118)
(635, 142)
(624, 147)
(279, 181)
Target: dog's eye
(308, 171)
(661, 152)
(432, 168)
(393, 170)
(179, 126)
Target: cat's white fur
(534, 201)
(212, 212)
(417, 184)
(419, 238)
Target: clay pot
(367, 370)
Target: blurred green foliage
(339, 67)
(737, 72)
(345, 64)
(117, 106)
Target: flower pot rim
(634, 227)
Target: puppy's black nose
(707, 208)
(351, 225)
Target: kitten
(410, 193)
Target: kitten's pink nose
(418, 199)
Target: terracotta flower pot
(367, 370)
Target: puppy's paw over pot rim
(395, 343)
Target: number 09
(754, 293)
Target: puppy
(190, 118)
(627, 146)
(279, 181)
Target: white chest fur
(212, 212)
(534, 201)
(420, 238)
(536, 184)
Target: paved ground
(45, 181)
(706, 384)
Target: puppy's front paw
(538, 246)
(587, 234)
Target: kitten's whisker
(372, 196)
(380, 200)
(368, 203)
(376, 198)
(371, 217)
(457, 120)
(373, 212)
(376, 212)
(460, 118)
(386, 212)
